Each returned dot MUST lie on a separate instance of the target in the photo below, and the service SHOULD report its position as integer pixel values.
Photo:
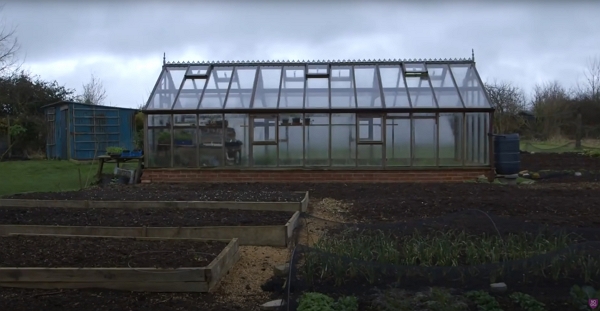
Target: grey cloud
(521, 43)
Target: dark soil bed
(53, 251)
(157, 217)
(164, 192)
(568, 205)
(559, 161)
(16, 299)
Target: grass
(559, 145)
(47, 175)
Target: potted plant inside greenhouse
(296, 121)
(182, 138)
(285, 121)
(164, 138)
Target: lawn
(559, 145)
(47, 175)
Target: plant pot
(296, 120)
(307, 121)
(285, 121)
(114, 155)
(183, 142)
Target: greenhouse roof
(312, 86)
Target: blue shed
(81, 131)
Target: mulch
(138, 217)
(173, 192)
(80, 252)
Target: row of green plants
(367, 254)
(440, 299)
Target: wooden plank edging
(129, 279)
(252, 206)
(276, 235)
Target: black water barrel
(507, 156)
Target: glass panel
(242, 84)
(197, 70)
(414, 67)
(155, 120)
(317, 93)
(370, 155)
(367, 86)
(443, 86)
(292, 87)
(210, 140)
(190, 94)
(470, 89)
(159, 141)
(216, 88)
(420, 92)
(264, 129)
(317, 69)
(342, 87)
(369, 129)
(316, 139)
(166, 90)
(267, 88)
(450, 128)
(265, 155)
(290, 140)
(236, 140)
(393, 87)
(424, 131)
(397, 139)
(343, 139)
(477, 139)
(184, 140)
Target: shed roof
(343, 85)
(62, 102)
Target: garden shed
(81, 131)
(394, 120)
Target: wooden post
(8, 138)
(579, 131)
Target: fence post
(578, 131)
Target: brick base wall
(204, 175)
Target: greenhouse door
(369, 145)
(263, 140)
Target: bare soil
(166, 192)
(16, 299)
(135, 217)
(559, 161)
(79, 252)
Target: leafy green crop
(580, 296)
(322, 302)
(483, 300)
(527, 302)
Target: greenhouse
(322, 114)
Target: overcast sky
(122, 42)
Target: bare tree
(8, 48)
(551, 107)
(592, 78)
(93, 92)
(509, 101)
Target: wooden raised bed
(276, 235)
(256, 206)
(202, 279)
